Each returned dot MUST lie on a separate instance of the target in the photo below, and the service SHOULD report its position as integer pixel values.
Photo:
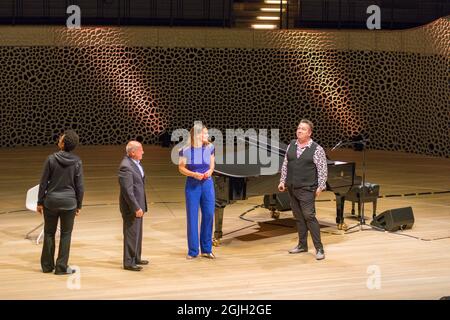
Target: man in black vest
(133, 205)
(304, 174)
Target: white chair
(31, 204)
(32, 198)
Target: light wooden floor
(252, 262)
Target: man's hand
(77, 213)
(139, 213)
(318, 191)
(281, 187)
(40, 209)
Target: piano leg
(374, 213)
(359, 209)
(340, 200)
(218, 221)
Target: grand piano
(241, 180)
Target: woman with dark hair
(197, 163)
(60, 198)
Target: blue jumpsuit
(199, 194)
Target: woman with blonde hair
(197, 163)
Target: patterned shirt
(320, 160)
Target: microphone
(337, 145)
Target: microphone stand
(362, 219)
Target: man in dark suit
(133, 205)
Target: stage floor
(252, 261)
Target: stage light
(274, 2)
(270, 9)
(263, 26)
(267, 18)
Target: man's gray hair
(309, 123)
(132, 146)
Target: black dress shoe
(68, 271)
(133, 268)
(320, 255)
(142, 262)
(298, 249)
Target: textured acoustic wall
(115, 84)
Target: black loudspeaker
(277, 201)
(395, 219)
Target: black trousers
(51, 217)
(304, 209)
(132, 240)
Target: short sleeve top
(198, 159)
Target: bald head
(134, 150)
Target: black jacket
(132, 188)
(61, 186)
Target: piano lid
(245, 161)
(240, 165)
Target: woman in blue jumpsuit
(197, 163)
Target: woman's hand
(40, 209)
(207, 174)
(198, 175)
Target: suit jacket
(132, 188)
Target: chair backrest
(32, 198)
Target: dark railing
(395, 14)
(120, 12)
(336, 14)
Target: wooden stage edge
(252, 261)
